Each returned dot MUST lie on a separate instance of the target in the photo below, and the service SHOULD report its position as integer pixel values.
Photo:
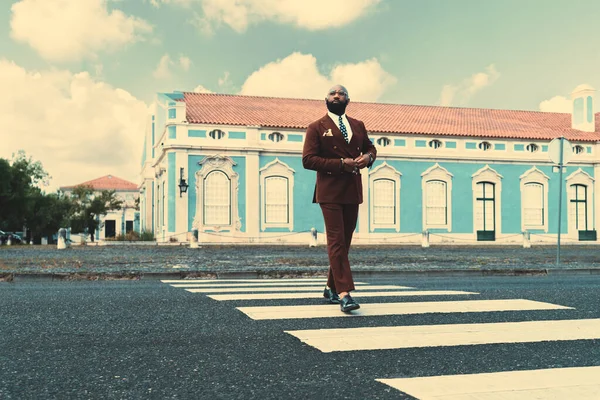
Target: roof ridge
(380, 103)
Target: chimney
(583, 117)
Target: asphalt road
(147, 339)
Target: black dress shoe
(331, 295)
(348, 304)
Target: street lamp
(183, 186)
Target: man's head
(337, 99)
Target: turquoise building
(231, 167)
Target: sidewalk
(173, 262)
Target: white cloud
(558, 104)
(460, 94)
(297, 76)
(67, 30)
(185, 63)
(163, 69)
(78, 127)
(202, 89)
(307, 14)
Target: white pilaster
(363, 209)
(181, 201)
(252, 194)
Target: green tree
(48, 213)
(89, 206)
(18, 187)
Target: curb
(133, 276)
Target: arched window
(485, 146)
(217, 186)
(436, 211)
(217, 199)
(216, 134)
(383, 141)
(534, 200)
(275, 137)
(276, 200)
(384, 200)
(487, 203)
(580, 194)
(277, 196)
(437, 198)
(533, 207)
(578, 149)
(532, 147)
(435, 144)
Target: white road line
(323, 280)
(280, 296)
(333, 310)
(581, 383)
(402, 337)
(318, 289)
(190, 285)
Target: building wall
(251, 149)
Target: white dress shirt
(336, 120)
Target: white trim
(437, 173)
(487, 174)
(534, 175)
(277, 168)
(224, 164)
(384, 171)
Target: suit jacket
(323, 153)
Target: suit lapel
(329, 124)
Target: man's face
(337, 100)
(337, 94)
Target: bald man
(338, 147)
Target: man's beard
(338, 108)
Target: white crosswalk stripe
(559, 383)
(579, 383)
(372, 309)
(361, 294)
(398, 337)
(319, 289)
(316, 280)
(250, 285)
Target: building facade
(461, 175)
(116, 222)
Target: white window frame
(580, 177)
(534, 175)
(384, 171)
(488, 174)
(437, 173)
(281, 169)
(225, 165)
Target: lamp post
(183, 186)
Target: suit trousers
(340, 222)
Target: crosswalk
(557, 383)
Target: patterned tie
(343, 129)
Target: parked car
(15, 239)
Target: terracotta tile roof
(210, 108)
(108, 182)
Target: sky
(78, 77)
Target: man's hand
(350, 165)
(362, 161)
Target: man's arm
(311, 158)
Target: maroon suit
(338, 192)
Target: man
(338, 147)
